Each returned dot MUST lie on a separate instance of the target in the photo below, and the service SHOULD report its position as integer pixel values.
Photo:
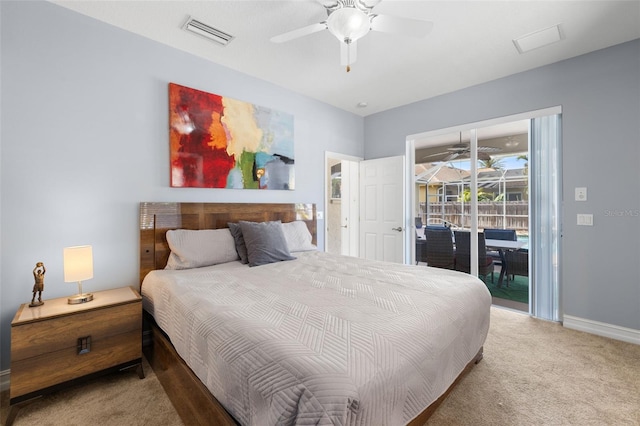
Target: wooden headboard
(157, 218)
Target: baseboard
(602, 329)
(4, 380)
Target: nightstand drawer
(60, 334)
(48, 369)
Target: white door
(382, 229)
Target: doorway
(365, 203)
(342, 204)
(476, 178)
(501, 187)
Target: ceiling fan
(350, 20)
(463, 150)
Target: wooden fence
(509, 215)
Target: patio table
(501, 246)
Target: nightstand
(56, 344)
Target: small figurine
(38, 287)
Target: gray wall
(84, 139)
(600, 98)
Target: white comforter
(323, 339)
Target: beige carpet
(119, 399)
(538, 373)
(533, 373)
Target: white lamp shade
(348, 23)
(78, 263)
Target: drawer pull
(84, 345)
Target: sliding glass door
(500, 178)
(545, 212)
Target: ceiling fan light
(348, 24)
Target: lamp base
(80, 298)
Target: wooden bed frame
(191, 399)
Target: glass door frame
(410, 208)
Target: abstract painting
(219, 142)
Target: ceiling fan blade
(489, 149)
(439, 154)
(300, 32)
(348, 53)
(404, 26)
(458, 147)
(451, 156)
(329, 4)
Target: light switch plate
(581, 194)
(585, 219)
(319, 215)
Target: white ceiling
(471, 42)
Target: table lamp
(78, 266)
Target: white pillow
(298, 236)
(205, 247)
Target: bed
(314, 339)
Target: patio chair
(517, 263)
(438, 247)
(463, 254)
(500, 234)
(421, 252)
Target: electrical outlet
(581, 194)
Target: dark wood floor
(4, 406)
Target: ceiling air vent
(539, 39)
(207, 31)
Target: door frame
(327, 190)
(410, 154)
(410, 200)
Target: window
(336, 182)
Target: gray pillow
(241, 247)
(265, 242)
